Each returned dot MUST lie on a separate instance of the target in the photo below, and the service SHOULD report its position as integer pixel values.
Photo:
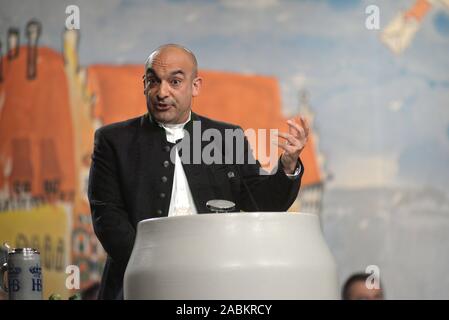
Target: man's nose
(163, 91)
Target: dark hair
(360, 276)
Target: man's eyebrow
(173, 73)
(151, 72)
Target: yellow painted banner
(45, 228)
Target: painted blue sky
(383, 120)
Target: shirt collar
(171, 125)
(174, 131)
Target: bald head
(171, 81)
(173, 49)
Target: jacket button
(162, 195)
(166, 163)
(164, 179)
(159, 212)
(166, 148)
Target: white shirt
(181, 202)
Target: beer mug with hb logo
(21, 274)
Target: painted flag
(399, 33)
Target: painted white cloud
(354, 171)
(396, 105)
(283, 17)
(253, 4)
(192, 17)
(299, 80)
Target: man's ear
(196, 86)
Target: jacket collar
(148, 121)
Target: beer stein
(21, 274)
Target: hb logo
(13, 285)
(37, 284)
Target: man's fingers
(292, 140)
(299, 126)
(305, 125)
(289, 137)
(286, 147)
(297, 136)
(296, 127)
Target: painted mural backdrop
(377, 98)
(48, 118)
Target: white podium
(259, 255)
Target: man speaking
(142, 168)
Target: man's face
(170, 84)
(359, 291)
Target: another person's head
(355, 288)
(170, 81)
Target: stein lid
(24, 251)
(220, 206)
